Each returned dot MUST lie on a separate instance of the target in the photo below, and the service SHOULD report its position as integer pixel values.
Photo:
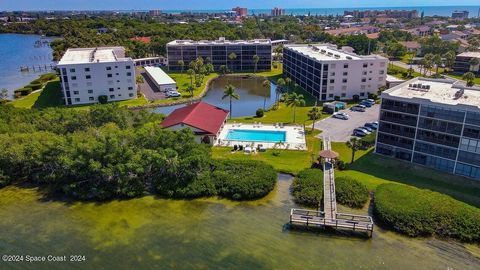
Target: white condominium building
(328, 73)
(87, 73)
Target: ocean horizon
(428, 10)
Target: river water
(155, 233)
(250, 89)
(18, 50)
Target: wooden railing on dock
(329, 218)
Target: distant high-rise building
(460, 14)
(155, 13)
(241, 12)
(278, 12)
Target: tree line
(110, 152)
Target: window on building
(332, 74)
(382, 71)
(87, 69)
(344, 80)
(112, 96)
(72, 70)
(364, 79)
(332, 81)
(129, 74)
(77, 99)
(330, 95)
(344, 95)
(109, 75)
(91, 98)
(364, 73)
(345, 65)
(362, 94)
(90, 91)
(345, 73)
(130, 88)
(109, 68)
(365, 65)
(117, 74)
(130, 95)
(382, 64)
(332, 65)
(111, 89)
(73, 78)
(127, 67)
(88, 77)
(75, 92)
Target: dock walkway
(329, 217)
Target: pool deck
(294, 136)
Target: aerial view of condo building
(432, 122)
(327, 72)
(236, 55)
(87, 73)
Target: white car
(341, 115)
(173, 94)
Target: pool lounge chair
(247, 150)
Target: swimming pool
(256, 135)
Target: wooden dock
(329, 218)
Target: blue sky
(214, 4)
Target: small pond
(252, 96)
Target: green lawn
(49, 96)
(289, 161)
(373, 170)
(397, 71)
(459, 77)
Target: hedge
(243, 179)
(23, 91)
(35, 86)
(4, 180)
(421, 212)
(47, 77)
(350, 192)
(307, 187)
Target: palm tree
(181, 63)
(354, 143)
(232, 56)
(469, 77)
(314, 114)
(3, 96)
(294, 100)
(449, 59)
(474, 62)
(255, 61)
(267, 85)
(427, 63)
(288, 82)
(230, 93)
(191, 73)
(280, 86)
(139, 80)
(223, 70)
(437, 59)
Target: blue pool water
(256, 135)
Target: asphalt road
(341, 130)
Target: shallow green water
(155, 233)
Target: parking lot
(341, 130)
(148, 88)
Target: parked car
(173, 94)
(372, 125)
(358, 108)
(370, 100)
(359, 132)
(341, 115)
(364, 129)
(366, 104)
(369, 129)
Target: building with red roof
(205, 120)
(145, 40)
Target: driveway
(341, 130)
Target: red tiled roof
(199, 115)
(145, 40)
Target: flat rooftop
(159, 76)
(441, 91)
(186, 42)
(470, 54)
(93, 55)
(325, 52)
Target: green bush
(356, 98)
(4, 180)
(47, 77)
(37, 81)
(421, 212)
(35, 86)
(103, 99)
(243, 179)
(350, 192)
(23, 91)
(307, 187)
(259, 113)
(368, 141)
